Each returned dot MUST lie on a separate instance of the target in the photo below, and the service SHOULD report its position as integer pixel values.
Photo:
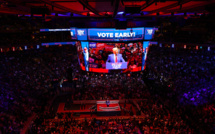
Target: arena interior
(107, 66)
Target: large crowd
(173, 105)
(28, 81)
(190, 73)
(132, 125)
(175, 93)
(30, 78)
(190, 76)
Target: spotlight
(120, 13)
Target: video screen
(83, 55)
(106, 57)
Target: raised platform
(113, 109)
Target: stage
(112, 110)
(98, 108)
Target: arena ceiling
(106, 8)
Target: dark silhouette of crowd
(184, 29)
(28, 81)
(189, 75)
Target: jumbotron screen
(106, 57)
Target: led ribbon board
(58, 43)
(97, 34)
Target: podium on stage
(112, 109)
(117, 65)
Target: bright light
(120, 12)
(25, 47)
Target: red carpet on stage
(113, 107)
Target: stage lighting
(120, 13)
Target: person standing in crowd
(107, 102)
(86, 58)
